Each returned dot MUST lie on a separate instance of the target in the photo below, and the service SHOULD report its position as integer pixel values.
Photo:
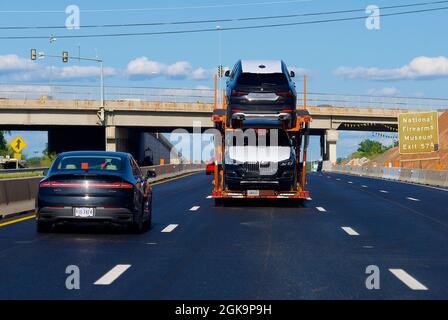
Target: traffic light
(65, 56)
(220, 69)
(33, 54)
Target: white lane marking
(112, 275)
(412, 199)
(170, 228)
(364, 186)
(309, 199)
(350, 231)
(407, 279)
(209, 197)
(384, 191)
(195, 208)
(338, 179)
(321, 209)
(350, 182)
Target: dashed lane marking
(350, 182)
(350, 231)
(364, 186)
(321, 209)
(195, 208)
(170, 228)
(209, 197)
(407, 279)
(413, 199)
(113, 274)
(384, 191)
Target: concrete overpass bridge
(83, 124)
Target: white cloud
(12, 63)
(179, 69)
(143, 68)
(20, 69)
(63, 74)
(419, 68)
(201, 74)
(385, 92)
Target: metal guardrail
(204, 95)
(22, 170)
(418, 176)
(18, 195)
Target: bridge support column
(117, 139)
(330, 155)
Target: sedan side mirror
(292, 74)
(45, 172)
(227, 73)
(151, 174)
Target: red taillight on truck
(235, 93)
(284, 93)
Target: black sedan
(95, 186)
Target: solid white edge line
(350, 231)
(195, 208)
(169, 228)
(407, 279)
(321, 209)
(112, 274)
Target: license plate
(84, 212)
(253, 193)
(263, 96)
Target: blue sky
(407, 56)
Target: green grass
(14, 175)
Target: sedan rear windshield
(94, 163)
(262, 79)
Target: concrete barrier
(427, 177)
(18, 195)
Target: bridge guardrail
(418, 176)
(18, 195)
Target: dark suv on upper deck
(261, 90)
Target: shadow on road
(263, 203)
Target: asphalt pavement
(247, 250)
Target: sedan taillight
(115, 185)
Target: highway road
(197, 251)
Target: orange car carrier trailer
(298, 192)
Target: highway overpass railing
(203, 95)
(427, 177)
(18, 195)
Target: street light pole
(102, 83)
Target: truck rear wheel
(219, 202)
